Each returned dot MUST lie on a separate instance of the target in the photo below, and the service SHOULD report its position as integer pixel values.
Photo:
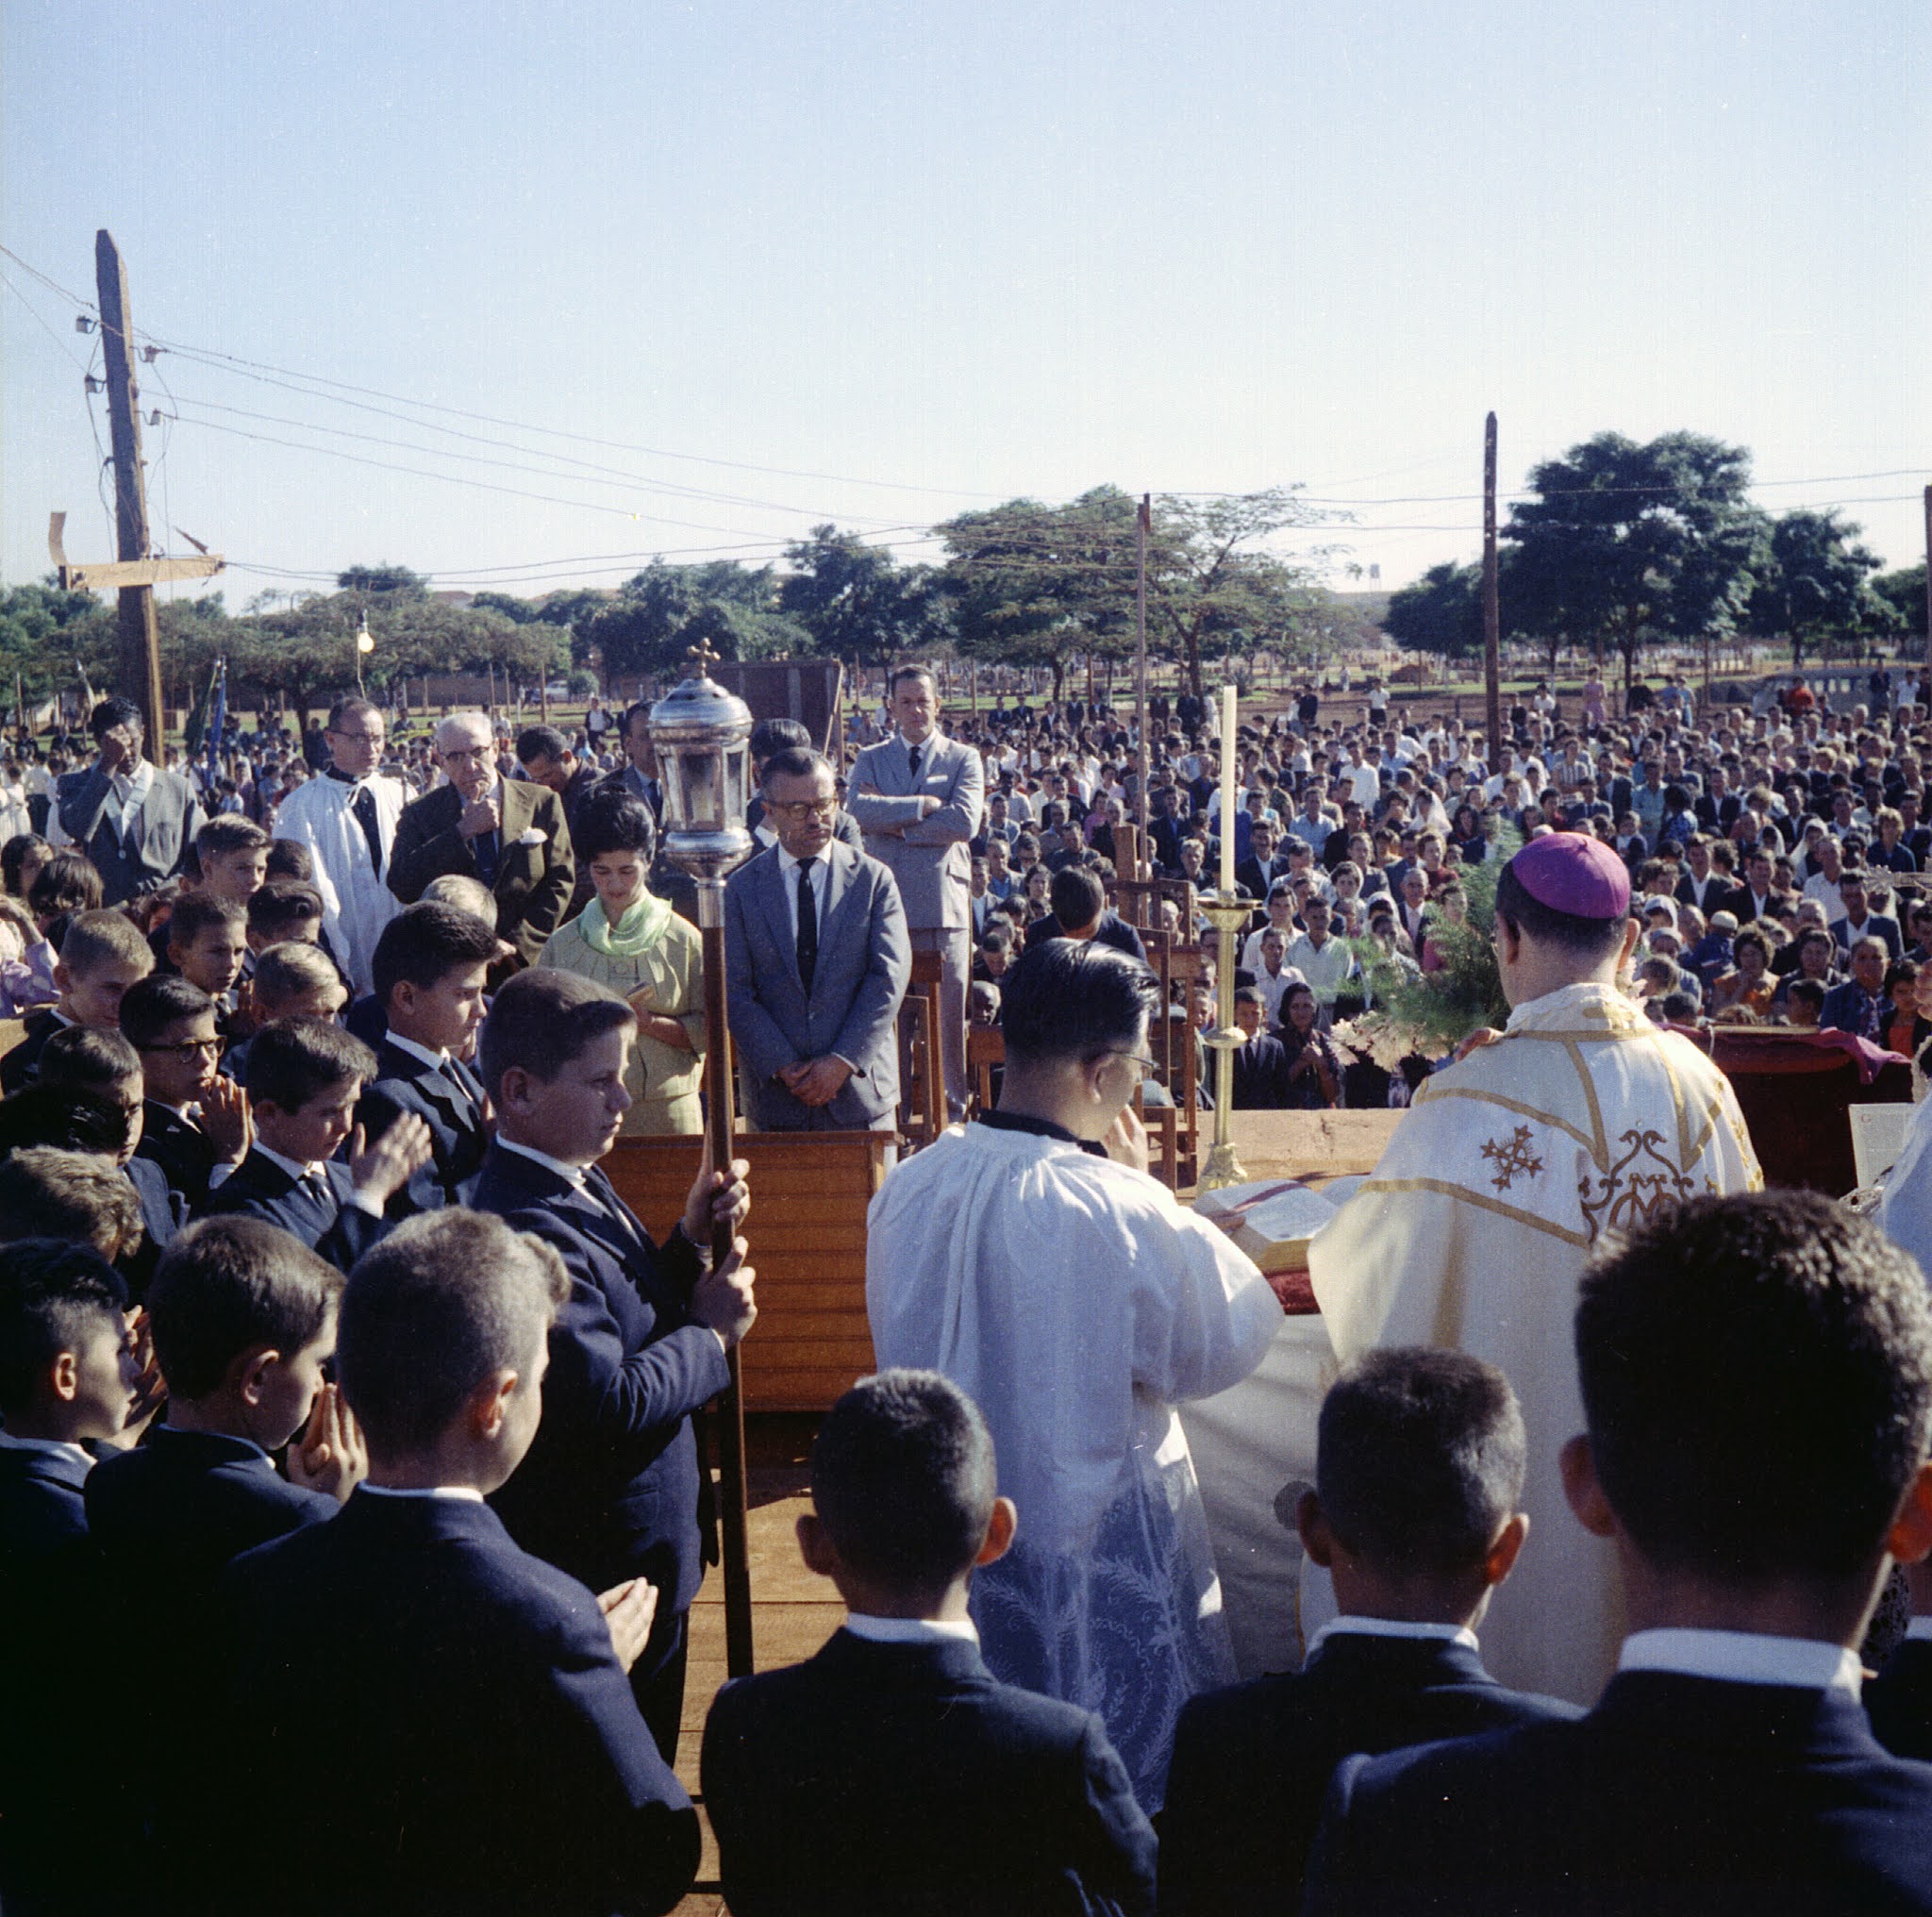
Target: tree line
(1620, 546)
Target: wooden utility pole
(1143, 520)
(1925, 698)
(139, 676)
(1492, 623)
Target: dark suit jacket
(184, 1152)
(1249, 874)
(1899, 1700)
(170, 816)
(42, 1510)
(1674, 1795)
(889, 1778)
(609, 1490)
(340, 1231)
(1720, 895)
(483, 1749)
(163, 1212)
(1251, 1764)
(533, 881)
(21, 1065)
(1112, 931)
(455, 1117)
(1884, 929)
(1260, 1074)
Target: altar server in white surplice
(1066, 1291)
(1581, 1119)
(346, 816)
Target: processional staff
(702, 734)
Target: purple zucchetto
(1570, 872)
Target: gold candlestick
(1228, 916)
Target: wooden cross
(703, 658)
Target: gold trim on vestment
(1463, 1195)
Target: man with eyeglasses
(348, 819)
(817, 960)
(509, 833)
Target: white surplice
(357, 902)
(1077, 1304)
(1473, 1231)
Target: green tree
(1813, 585)
(1443, 613)
(856, 600)
(1039, 586)
(383, 579)
(660, 615)
(1627, 545)
(1905, 592)
(1209, 590)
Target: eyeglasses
(799, 810)
(1148, 1066)
(188, 1048)
(357, 738)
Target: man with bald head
(509, 833)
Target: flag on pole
(217, 721)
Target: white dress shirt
(571, 1174)
(1348, 1624)
(788, 871)
(1744, 1657)
(909, 1630)
(362, 1201)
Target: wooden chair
(921, 1068)
(986, 1048)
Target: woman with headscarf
(629, 939)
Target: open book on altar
(1273, 1219)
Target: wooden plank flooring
(793, 1611)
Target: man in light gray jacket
(917, 798)
(816, 962)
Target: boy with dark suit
(1757, 1381)
(243, 1319)
(304, 1078)
(1419, 1467)
(430, 965)
(192, 1119)
(610, 1488)
(467, 1702)
(891, 1773)
(69, 1377)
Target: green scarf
(640, 930)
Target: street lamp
(364, 646)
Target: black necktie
(483, 846)
(912, 761)
(807, 924)
(363, 805)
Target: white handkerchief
(531, 835)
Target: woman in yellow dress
(628, 938)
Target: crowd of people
(344, 1400)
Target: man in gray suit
(917, 799)
(816, 962)
(136, 822)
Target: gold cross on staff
(703, 658)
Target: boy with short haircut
(892, 1771)
(69, 1377)
(101, 956)
(232, 853)
(467, 1702)
(304, 1079)
(297, 979)
(78, 1197)
(429, 970)
(1419, 1467)
(281, 909)
(101, 1073)
(1756, 1383)
(194, 1122)
(207, 938)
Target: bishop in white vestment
(1581, 1121)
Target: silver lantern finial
(702, 734)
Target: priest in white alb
(1580, 1119)
(346, 816)
(1047, 1274)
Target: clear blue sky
(935, 255)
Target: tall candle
(1230, 771)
